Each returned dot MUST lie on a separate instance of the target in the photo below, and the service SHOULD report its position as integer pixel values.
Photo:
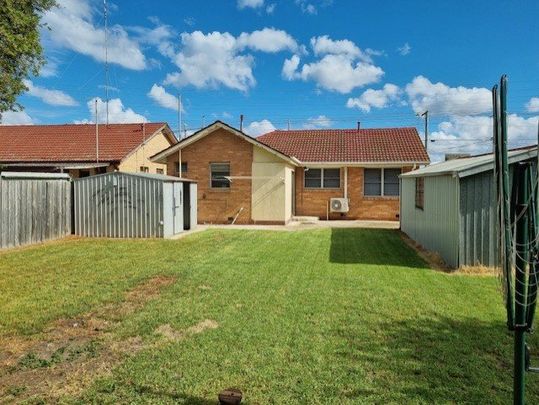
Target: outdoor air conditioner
(339, 204)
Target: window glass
(332, 178)
(313, 178)
(391, 182)
(219, 172)
(184, 168)
(159, 171)
(372, 182)
(144, 169)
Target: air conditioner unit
(339, 204)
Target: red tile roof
(71, 142)
(349, 145)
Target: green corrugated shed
(458, 219)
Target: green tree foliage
(21, 52)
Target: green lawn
(323, 316)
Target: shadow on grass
(433, 361)
(372, 246)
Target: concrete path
(296, 226)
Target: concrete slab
(296, 226)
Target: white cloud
(117, 112)
(290, 67)
(164, 99)
(307, 7)
(250, 4)
(324, 45)
(533, 105)
(317, 122)
(343, 66)
(270, 8)
(72, 27)
(15, 118)
(219, 59)
(48, 96)
(440, 99)
(473, 134)
(256, 128)
(268, 40)
(333, 72)
(160, 36)
(405, 49)
(376, 98)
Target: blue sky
(310, 63)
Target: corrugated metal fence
(34, 208)
(119, 206)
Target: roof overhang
(161, 157)
(486, 164)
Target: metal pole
(426, 115)
(521, 182)
(506, 209)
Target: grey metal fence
(34, 207)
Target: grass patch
(322, 316)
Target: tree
(21, 52)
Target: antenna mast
(179, 116)
(105, 17)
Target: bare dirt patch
(169, 333)
(70, 353)
(478, 271)
(433, 259)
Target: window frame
(382, 182)
(228, 185)
(322, 172)
(419, 193)
(159, 171)
(144, 169)
(177, 168)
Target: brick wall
(314, 202)
(218, 205)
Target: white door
(177, 207)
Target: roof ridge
(83, 124)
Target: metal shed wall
(34, 209)
(119, 205)
(478, 220)
(436, 227)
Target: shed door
(177, 207)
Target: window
(419, 192)
(313, 178)
(331, 178)
(322, 178)
(381, 182)
(159, 171)
(144, 169)
(391, 182)
(184, 168)
(372, 182)
(219, 172)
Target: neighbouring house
(450, 207)
(82, 150)
(334, 174)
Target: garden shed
(450, 207)
(34, 207)
(134, 205)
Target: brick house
(282, 174)
(82, 149)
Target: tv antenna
(105, 17)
